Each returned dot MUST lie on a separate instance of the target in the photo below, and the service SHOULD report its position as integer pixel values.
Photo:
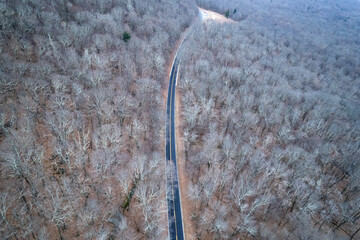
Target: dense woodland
(271, 114)
(82, 117)
(269, 108)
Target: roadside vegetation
(270, 110)
(82, 117)
(271, 122)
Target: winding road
(176, 229)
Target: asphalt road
(176, 230)
(173, 195)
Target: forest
(269, 117)
(82, 117)
(271, 123)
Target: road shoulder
(186, 204)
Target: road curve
(176, 229)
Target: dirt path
(214, 16)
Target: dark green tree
(227, 13)
(126, 36)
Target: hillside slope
(82, 117)
(271, 123)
